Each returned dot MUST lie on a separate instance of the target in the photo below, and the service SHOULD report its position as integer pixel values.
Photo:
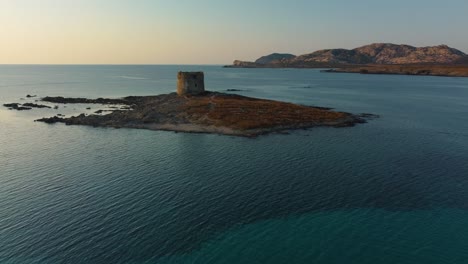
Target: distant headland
(192, 109)
(439, 60)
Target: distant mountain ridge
(377, 53)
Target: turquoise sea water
(394, 190)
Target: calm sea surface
(394, 190)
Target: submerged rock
(36, 105)
(16, 106)
(100, 111)
(25, 106)
(50, 120)
(368, 116)
(234, 90)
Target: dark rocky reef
(234, 90)
(64, 100)
(51, 120)
(32, 105)
(16, 106)
(211, 112)
(25, 106)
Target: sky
(216, 31)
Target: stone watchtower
(190, 83)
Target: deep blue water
(394, 190)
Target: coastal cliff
(275, 58)
(377, 53)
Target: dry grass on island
(245, 113)
(210, 112)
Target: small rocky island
(192, 109)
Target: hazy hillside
(378, 53)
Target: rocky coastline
(377, 58)
(421, 70)
(210, 112)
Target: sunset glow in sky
(215, 31)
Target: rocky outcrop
(244, 64)
(210, 112)
(63, 100)
(16, 106)
(405, 54)
(51, 120)
(332, 56)
(274, 58)
(462, 61)
(32, 105)
(378, 53)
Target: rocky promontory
(424, 70)
(210, 112)
(377, 53)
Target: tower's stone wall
(190, 83)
